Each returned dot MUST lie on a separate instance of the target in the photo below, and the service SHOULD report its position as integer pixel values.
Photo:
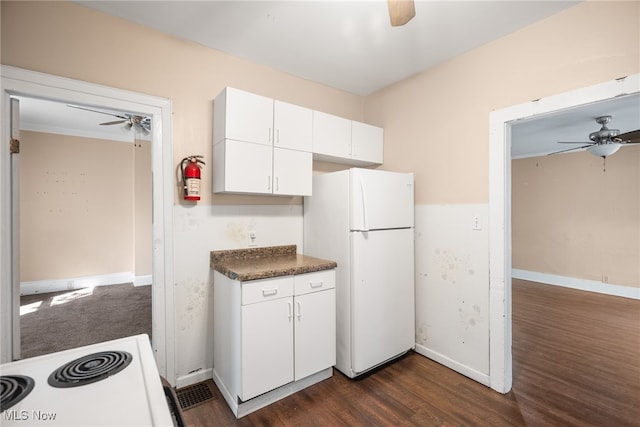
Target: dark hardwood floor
(576, 356)
(576, 362)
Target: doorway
(85, 226)
(18, 82)
(500, 268)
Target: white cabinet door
(267, 346)
(336, 139)
(292, 171)
(315, 332)
(243, 116)
(331, 135)
(366, 142)
(242, 167)
(293, 126)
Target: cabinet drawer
(266, 289)
(313, 282)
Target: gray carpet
(62, 320)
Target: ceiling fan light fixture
(401, 11)
(604, 150)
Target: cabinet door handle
(269, 292)
(278, 136)
(269, 182)
(277, 183)
(299, 313)
(290, 310)
(316, 284)
(269, 135)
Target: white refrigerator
(363, 219)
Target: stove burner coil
(89, 369)
(14, 388)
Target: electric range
(113, 383)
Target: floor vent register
(194, 395)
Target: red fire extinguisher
(191, 176)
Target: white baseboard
(71, 283)
(194, 378)
(574, 283)
(145, 280)
(452, 364)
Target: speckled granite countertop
(262, 263)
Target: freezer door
(381, 199)
(382, 303)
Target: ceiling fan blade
(117, 122)
(96, 111)
(574, 142)
(570, 149)
(633, 136)
(144, 130)
(401, 11)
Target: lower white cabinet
(272, 332)
(314, 332)
(267, 346)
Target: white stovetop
(133, 396)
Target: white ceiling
(40, 115)
(348, 45)
(540, 135)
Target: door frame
(500, 122)
(21, 82)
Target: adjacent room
(85, 218)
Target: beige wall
(437, 122)
(73, 41)
(571, 218)
(76, 213)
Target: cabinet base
(244, 408)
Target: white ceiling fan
(401, 11)
(130, 121)
(605, 141)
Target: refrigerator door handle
(365, 226)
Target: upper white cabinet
(242, 116)
(293, 126)
(261, 146)
(245, 167)
(366, 143)
(242, 167)
(336, 139)
(266, 146)
(292, 172)
(331, 135)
